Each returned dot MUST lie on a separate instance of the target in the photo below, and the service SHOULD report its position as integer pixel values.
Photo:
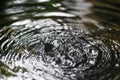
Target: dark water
(60, 40)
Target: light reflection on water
(59, 40)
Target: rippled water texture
(59, 40)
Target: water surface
(59, 40)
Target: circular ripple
(66, 50)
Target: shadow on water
(60, 40)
